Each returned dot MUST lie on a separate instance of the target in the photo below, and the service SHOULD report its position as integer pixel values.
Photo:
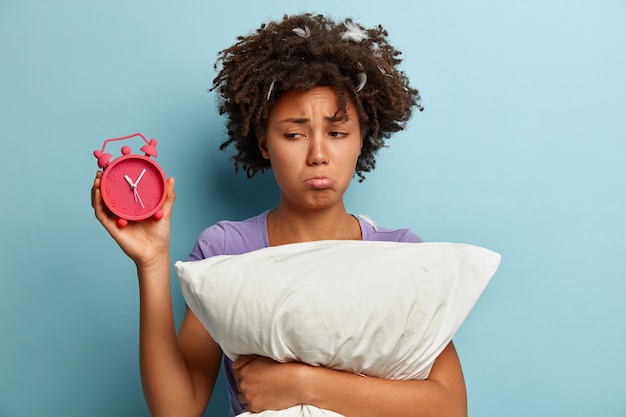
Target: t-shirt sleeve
(210, 242)
(406, 235)
(372, 231)
(230, 238)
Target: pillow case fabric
(384, 309)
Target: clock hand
(140, 176)
(134, 188)
(137, 198)
(130, 181)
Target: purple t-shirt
(237, 237)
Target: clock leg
(122, 222)
(158, 215)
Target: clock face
(133, 187)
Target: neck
(288, 225)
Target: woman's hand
(265, 384)
(144, 242)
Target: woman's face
(312, 151)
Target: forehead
(318, 100)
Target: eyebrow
(303, 120)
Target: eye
(292, 136)
(337, 135)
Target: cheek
(348, 162)
(357, 154)
(283, 164)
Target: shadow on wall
(241, 197)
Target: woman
(311, 99)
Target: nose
(318, 154)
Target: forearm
(353, 395)
(442, 394)
(265, 384)
(166, 380)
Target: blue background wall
(522, 149)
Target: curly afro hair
(299, 53)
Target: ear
(263, 147)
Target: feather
(269, 93)
(382, 70)
(353, 33)
(369, 220)
(303, 33)
(362, 76)
(362, 81)
(376, 49)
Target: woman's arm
(178, 372)
(265, 384)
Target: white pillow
(384, 309)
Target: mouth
(320, 183)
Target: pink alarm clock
(133, 186)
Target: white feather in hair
(376, 49)
(303, 33)
(382, 70)
(353, 33)
(269, 93)
(362, 81)
(362, 76)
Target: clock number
(117, 170)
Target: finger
(243, 360)
(242, 400)
(168, 204)
(240, 362)
(101, 211)
(99, 208)
(95, 186)
(96, 195)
